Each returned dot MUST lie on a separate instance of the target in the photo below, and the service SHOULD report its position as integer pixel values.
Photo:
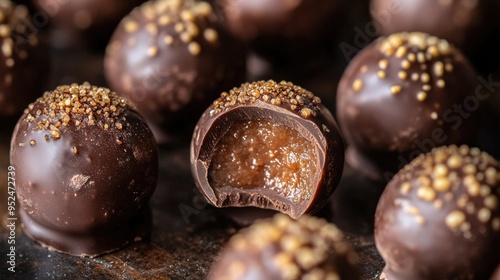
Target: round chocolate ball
(280, 26)
(282, 248)
(439, 218)
(87, 23)
(267, 145)
(23, 60)
(403, 95)
(171, 59)
(86, 165)
(463, 23)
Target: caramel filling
(260, 154)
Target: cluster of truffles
(399, 93)
(263, 145)
(267, 145)
(81, 202)
(171, 59)
(282, 248)
(22, 59)
(439, 217)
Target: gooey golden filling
(261, 154)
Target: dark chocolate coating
(282, 248)
(279, 27)
(462, 22)
(171, 59)
(439, 218)
(84, 23)
(496, 274)
(403, 95)
(23, 60)
(310, 118)
(86, 165)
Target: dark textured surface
(185, 250)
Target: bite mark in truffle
(268, 145)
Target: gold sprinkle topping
(426, 193)
(430, 54)
(152, 51)
(381, 74)
(396, 89)
(402, 75)
(383, 64)
(425, 78)
(130, 26)
(210, 35)
(283, 94)
(484, 215)
(405, 64)
(421, 96)
(357, 85)
(455, 219)
(80, 105)
(194, 48)
(405, 188)
(188, 22)
(401, 52)
(491, 202)
(439, 69)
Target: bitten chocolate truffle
(463, 23)
(171, 59)
(86, 166)
(23, 63)
(439, 218)
(279, 26)
(282, 248)
(87, 23)
(267, 145)
(403, 95)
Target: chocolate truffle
(439, 218)
(282, 248)
(279, 26)
(86, 165)
(463, 23)
(171, 59)
(23, 61)
(403, 95)
(267, 145)
(87, 23)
